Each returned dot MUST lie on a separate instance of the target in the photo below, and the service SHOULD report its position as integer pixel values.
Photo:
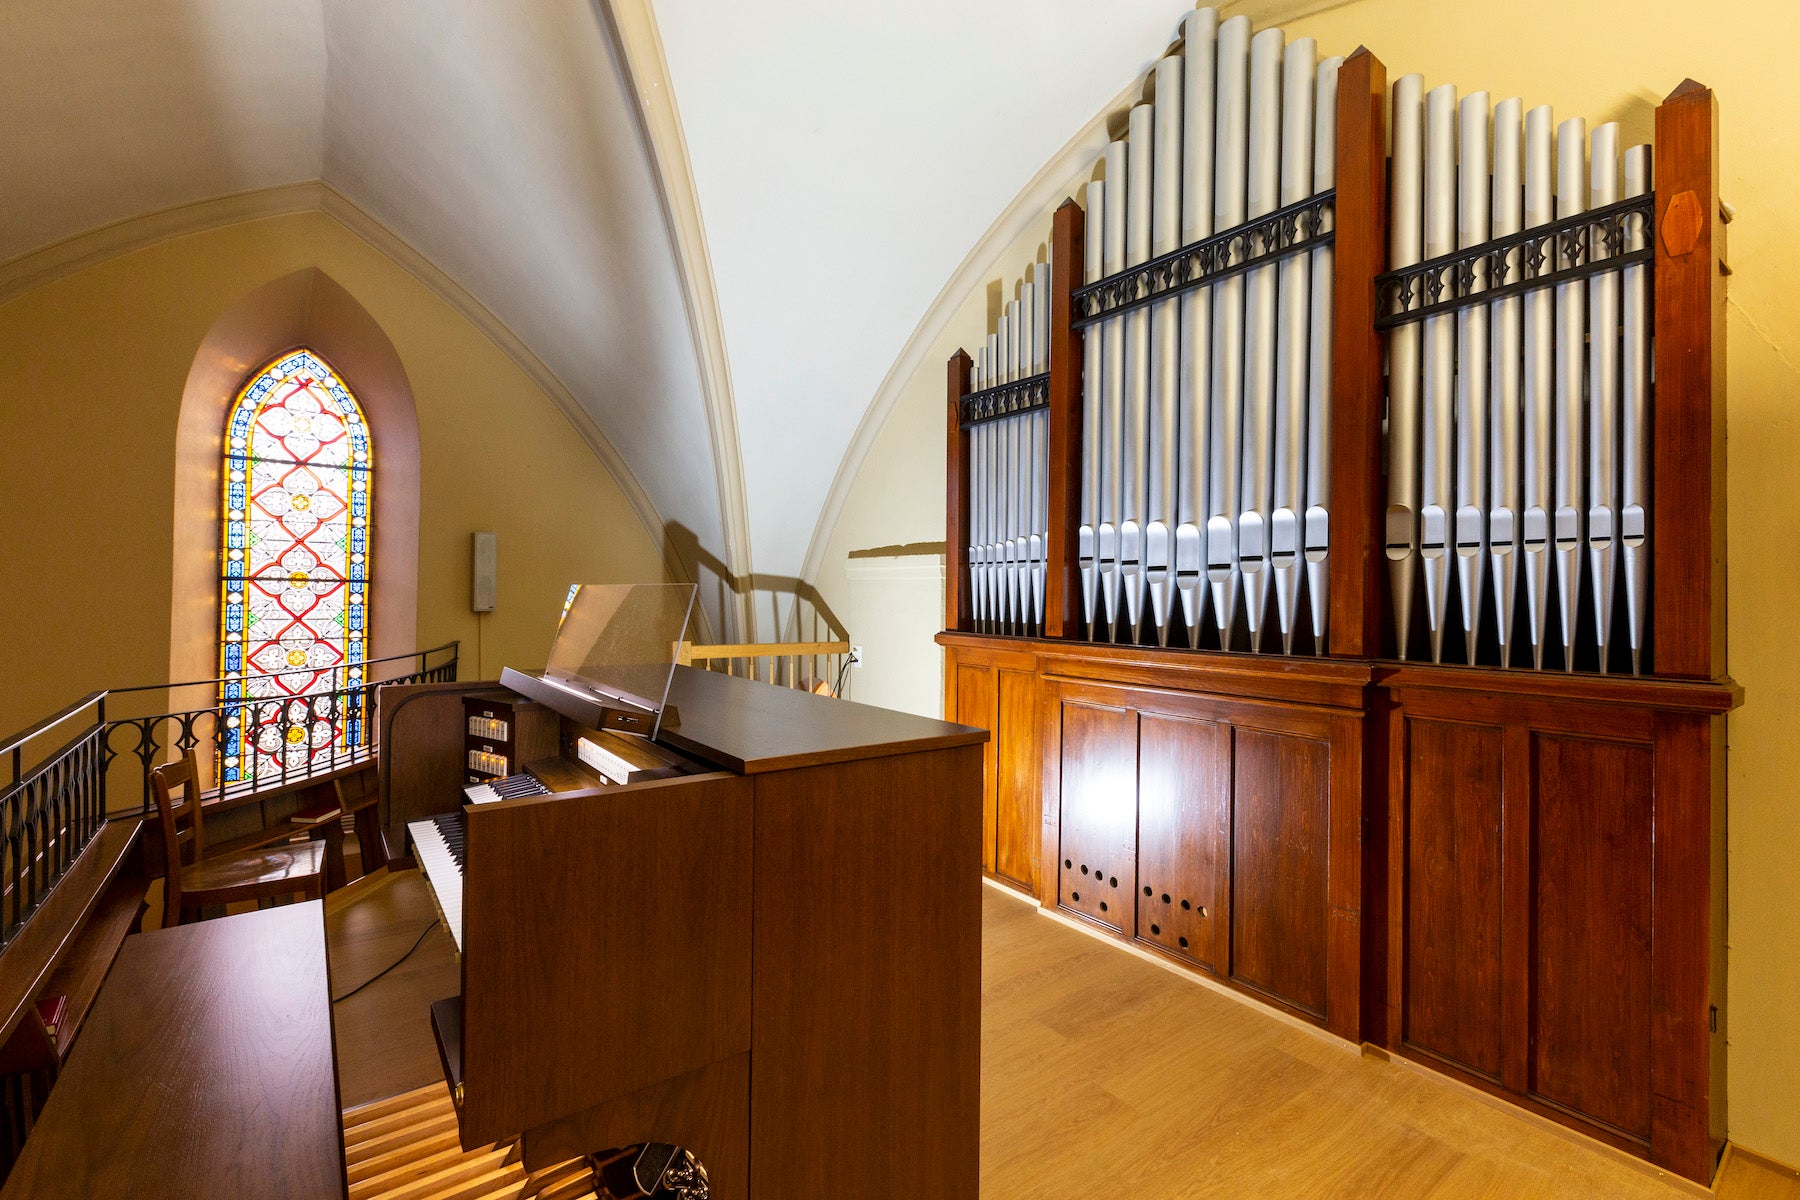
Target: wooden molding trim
(632, 27)
(31, 271)
(40, 267)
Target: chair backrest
(357, 790)
(179, 815)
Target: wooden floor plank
(1097, 1064)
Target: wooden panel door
(976, 704)
(1280, 850)
(1015, 787)
(1097, 867)
(1591, 1017)
(1184, 783)
(1452, 880)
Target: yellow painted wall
(1604, 61)
(92, 368)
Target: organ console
(1381, 670)
(753, 937)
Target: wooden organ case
(771, 960)
(1513, 875)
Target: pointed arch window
(295, 557)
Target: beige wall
(92, 368)
(893, 607)
(1605, 62)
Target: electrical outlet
(856, 659)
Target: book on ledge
(52, 1011)
(318, 813)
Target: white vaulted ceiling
(844, 156)
(496, 139)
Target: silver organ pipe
(1438, 430)
(1634, 380)
(1040, 446)
(1293, 343)
(1165, 351)
(1200, 31)
(1503, 386)
(1571, 328)
(1136, 487)
(1603, 397)
(1473, 219)
(1262, 196)
(1540, 389)
(1092, 431)
(1206, 402)
(1406, 183)
(1316, 531)
(1226, 408)
(1112, 391)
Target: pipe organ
(1519, 423)
(1339, 563)
(1009, 445)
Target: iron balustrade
(50, 811)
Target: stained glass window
(294, 579)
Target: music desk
(205, 1070)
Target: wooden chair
(290, 870)
(358, 795)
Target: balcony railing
(92, 762)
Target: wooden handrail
(687, 652)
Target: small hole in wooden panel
(1203, 910)
(1067, 863)
(1184, 904)
(1165, 897)
(1114, 881)
(1155, 930)
(1075, 896)
(1103, 906)
(1084, 868)
(1146, 891)
(1183, 943)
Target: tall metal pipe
(1571, 332)
(1504, 441)
(1093, 433)
(1405, 240)
(1141, 150)
(1472, 222)
(1165, 352)
(1112, 469)
(1437, 445)
(1230, 145)
(1200, 30)
(1634, 386)
(1316, 534)
(1293, 343)
(1540, 391)
(1262, 196)
(1603, 397)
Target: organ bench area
(771, 959)
(1512, 874)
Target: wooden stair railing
(804, 666)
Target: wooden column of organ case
(1514, 876)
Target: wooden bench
(206, 1071)
(68, 946)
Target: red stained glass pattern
(294, 576)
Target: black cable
(844, 670)
(371, 979)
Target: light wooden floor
(1103, 1074)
